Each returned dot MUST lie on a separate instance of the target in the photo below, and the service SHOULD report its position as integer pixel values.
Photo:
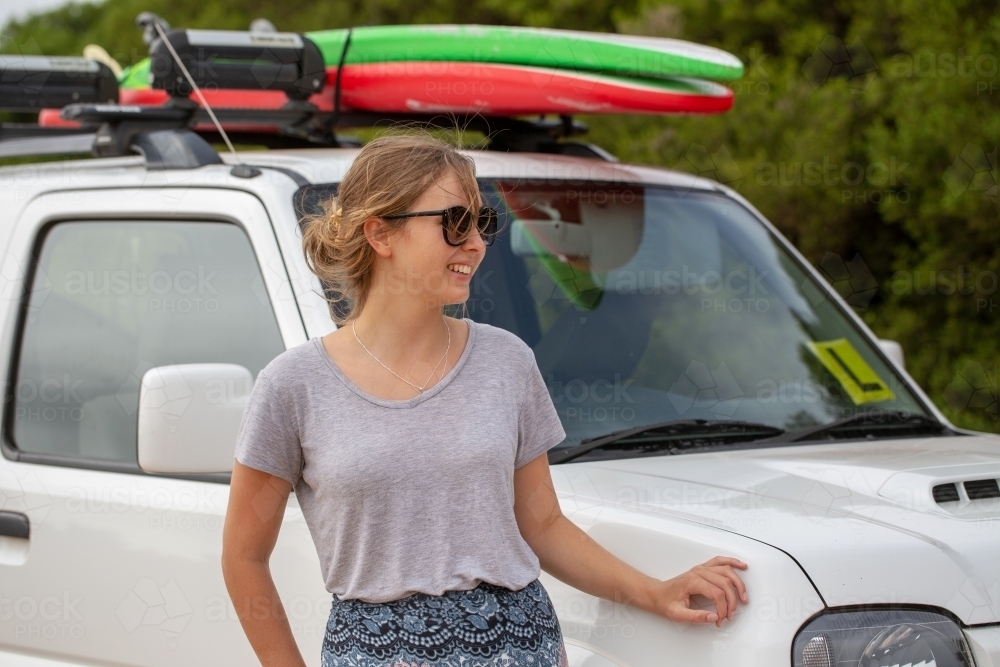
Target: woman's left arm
(573, 557)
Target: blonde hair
(388, 176)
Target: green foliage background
(882, 171)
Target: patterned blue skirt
(487, 626)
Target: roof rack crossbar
(56, 144)
(114, 128)
(118, 126)
(9, 131)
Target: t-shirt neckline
(410, 402)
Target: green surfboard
(622, 55)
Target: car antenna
(147, 19)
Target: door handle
(14, 524)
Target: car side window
(111, 299)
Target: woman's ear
(377, 231)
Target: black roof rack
(235, 60)
(86, 91)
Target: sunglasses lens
(458, 224)
(488, 224)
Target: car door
(101, 563)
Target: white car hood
(859, 517)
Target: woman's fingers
(702, 586)
(716, 580)
(682, 614)
(725, 564)
(728, 572)
(728, 588)
(726, 560)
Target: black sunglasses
(456, 223)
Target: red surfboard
(484, 88)
(507, 90)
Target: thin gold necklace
(419, 389)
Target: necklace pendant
(419, 389)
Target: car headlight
(888, 638)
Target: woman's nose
(474, 242)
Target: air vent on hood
(945, 493)
(982, 489)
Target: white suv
(719, 398)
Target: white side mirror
(189, 417)
(894, 350)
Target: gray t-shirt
(406, 496)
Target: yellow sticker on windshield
(858, 379)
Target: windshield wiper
(672, 435)
(898, 423)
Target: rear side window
(111, 300)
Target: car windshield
(648, 304)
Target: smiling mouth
(460, 268)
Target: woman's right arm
(256, 507)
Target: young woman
(416, 443)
